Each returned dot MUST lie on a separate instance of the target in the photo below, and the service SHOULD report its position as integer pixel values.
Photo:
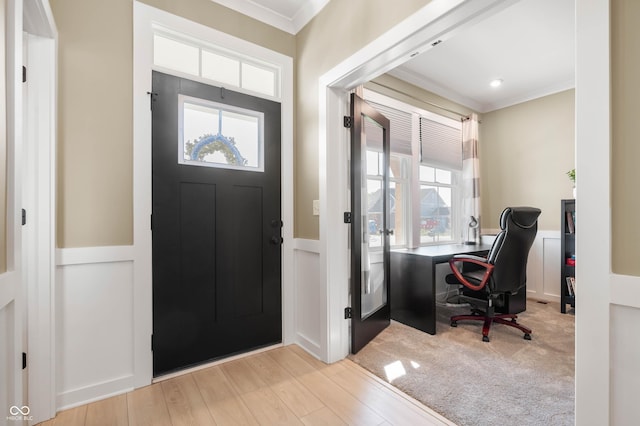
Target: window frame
(413, 217)
(456, 202)
(221, 108)
(185, 39)
(404, 179)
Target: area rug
(507, 381)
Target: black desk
(413, 281)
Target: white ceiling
(529, 44)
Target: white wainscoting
(94, 324)
(95, 318)
(624, 348)
(543, 267)
(95, 312)
(308, 291)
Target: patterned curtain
(470, 219)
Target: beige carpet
(508, 381)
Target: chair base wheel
(527, 336)
(454, 324)
(485, 338)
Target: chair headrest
(524, 217)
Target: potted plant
(572, 177)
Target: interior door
(370, 228)
(216, 223)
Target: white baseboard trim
(309, 345)
(96, 392)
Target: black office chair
(487, 281)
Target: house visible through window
(440, 167)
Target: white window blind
(400, 135)
(440, 145)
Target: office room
(90, 313)
(525, 149)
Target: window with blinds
(440, 145)
(400, 133)
(431, 194)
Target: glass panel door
(370, 229)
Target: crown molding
(431, 86)
(289, 24)
(481, 107)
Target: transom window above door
(219, 135)
(181, 54)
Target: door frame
(11, 289)
(144, 18)
(31, 24)
(439, 20)
(39, 193)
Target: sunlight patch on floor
(394, 370)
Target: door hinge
(348, 313)
(24, 217)
(24, 360)
(348, 121)
(152, 99)
(24, 74)
(347, 217)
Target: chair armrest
(476, 260)
(470, 257)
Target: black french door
(370, 227)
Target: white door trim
(144, 18)
(439, 20)
(11, 289)
(593, 205)
(39, 189)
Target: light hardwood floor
(284, 386)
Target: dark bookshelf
(568, 253)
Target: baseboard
(96, 392)
(309, 345)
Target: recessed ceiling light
(495, 83)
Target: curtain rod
(463, 117)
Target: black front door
(370, 228)
(216, 223)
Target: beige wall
(625, 69)
(525, 152)
(95, 164)
(341, 29)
